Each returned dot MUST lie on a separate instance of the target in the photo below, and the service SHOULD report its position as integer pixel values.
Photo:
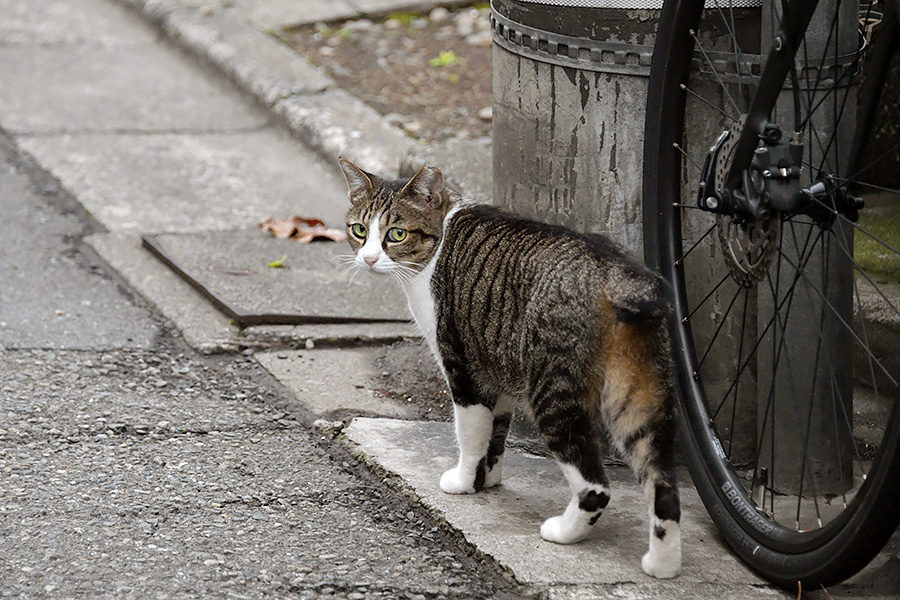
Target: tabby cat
(519, 310)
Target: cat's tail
(639, 295)
(636, 293)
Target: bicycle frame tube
(778, 66)
(877, 68)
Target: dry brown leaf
(305, 235)
(302, 229)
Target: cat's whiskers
(348, 265)
(401, 273)
(353, 276)
(344, 259)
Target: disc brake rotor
(748, 247)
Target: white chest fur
(421, 304)
(421, 300)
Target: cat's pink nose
(370, 260)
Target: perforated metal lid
(640, 4)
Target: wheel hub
(748, 246)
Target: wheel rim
(740, 344)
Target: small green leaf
(452, 77)
(278, 264)
(447, 58)
(404, 17)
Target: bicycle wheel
(772, 206)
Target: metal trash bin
(570, 87)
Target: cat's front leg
(474, 425)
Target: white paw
(454, 482)
(493, 477)
(661, 567)
(561, 530)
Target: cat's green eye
(359, 230)
(395, 234)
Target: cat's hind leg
(482, 422)
(587, 504)
(663, 559)
(638, 406)
(570, 434)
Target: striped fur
(517, 310)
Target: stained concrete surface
(316, 281)
(206, 329)
(50, 297)
(183, 182)
(504, 522)
(332, 383)
(115, 485)
(111, 89)
(59, 22)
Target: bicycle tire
(782, 554)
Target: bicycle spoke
(738, 53)
(740, 357)
(844, 322)
(707, 297)
(722, 322)
(709, 104)
(762, 335)
(857, 226)
(832, 369)
(714, 71)
(695, 244)
(688, 157)
(871, 185)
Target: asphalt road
(131, 467)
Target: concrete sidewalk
(151, 141)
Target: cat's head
(395, 225)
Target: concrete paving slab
(254, 59)
(203, 327)
(171, 182)
(337, 123)
(316, 282)
(56, 22)
(279, 14)
(206, 329)
(325, 117)
(49, 298)
(332, 383)
(134, 88)
(504, 522)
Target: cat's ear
(426, 186)
(359, 182)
